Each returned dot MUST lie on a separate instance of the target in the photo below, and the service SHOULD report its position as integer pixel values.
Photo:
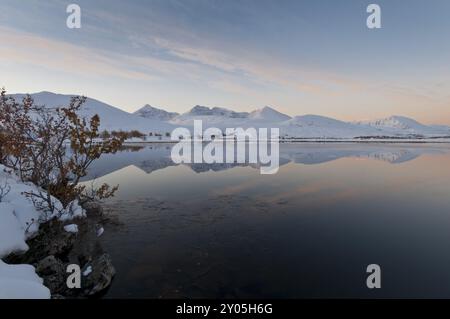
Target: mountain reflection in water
(226, 231)
(153, 157)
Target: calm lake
(224, 231)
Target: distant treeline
(130, 134)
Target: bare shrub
(53, 148)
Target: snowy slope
(442, 128)
(153, 113)
(268, 114)
(401, 125)
(314, 126)
(111, 117)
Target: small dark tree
(136, 134)
(105, 135)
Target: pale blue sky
(298, 56)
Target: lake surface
(225, 231)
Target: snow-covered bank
(19, 221)
(21, 282)
(17, 224)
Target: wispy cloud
(25, 48)
(245, 53)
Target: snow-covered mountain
(268, 114)
(150, 119)
(404, 126)
(224, 118)
(215, 111)
(153, 113)
(111, 118)
(314, 126)
(215, 116)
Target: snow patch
(100, 231)
(71, 228)
(21, 282)
(88, 271)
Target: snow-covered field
(19, 220)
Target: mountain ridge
(151, 119)
(111, 117)
(151, 112)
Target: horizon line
(227, 108)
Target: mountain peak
(200, 110)
(154, 113)
(111, 118)
(396, 121)
(397, 124)
(45, 93)
(268, 113)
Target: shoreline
(37, 247)
(309, 141)
(52, 249)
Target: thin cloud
(25, 48)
